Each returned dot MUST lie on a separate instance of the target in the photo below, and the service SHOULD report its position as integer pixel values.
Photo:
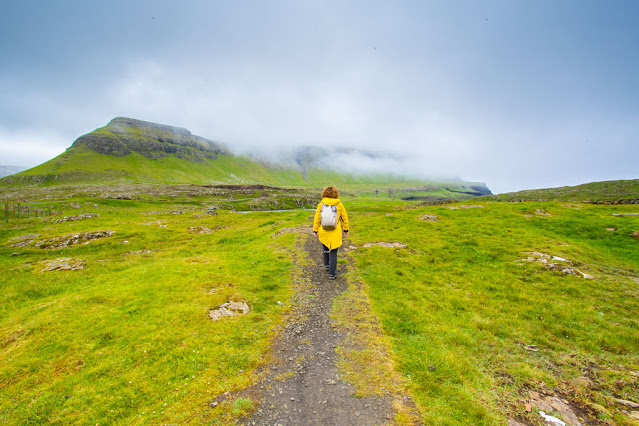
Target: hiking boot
(326, 267)
(332, 277)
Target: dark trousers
(330, 259)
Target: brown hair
(330, 192)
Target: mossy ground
(460, 310)
(127, 340)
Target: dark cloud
(540, 94)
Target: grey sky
(517, 94)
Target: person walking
(330, 221)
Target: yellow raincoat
(331, 239)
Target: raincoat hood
(331, 201)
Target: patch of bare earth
(303, 384)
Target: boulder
(229, 309)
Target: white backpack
(328, 216)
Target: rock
(467, 206)
(229, 309)
(23, 240)
(531, 348)
(611, 229)
(555, 405)
(72, 239)
(635, 235)
(383, 244)
(139, 252)
(199, 230)
(513, 422)
(62, 264)
(541, 212)
(627, 403)
(77, 217)
(429, 217)
(634, 415)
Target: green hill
(129, 151)
(612, 191)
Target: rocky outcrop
(122, 136)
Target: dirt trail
(304, 386)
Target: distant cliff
(130, 151)
(125, 135)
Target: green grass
(116, 341)
(459, 310)
(127, 339)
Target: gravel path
(303, 385)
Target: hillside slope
(613, 191)
(130, 151)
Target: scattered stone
(635, 235)
(569, 270)
(625, 214)
(72, 239)
(199, 230)
(204, 229)
(540, 212)
(531, 348)
(407, 207)
(74, 205)
(565, 265)
(565, 413)
(62, 264)
(23, 240)
(76, 217)
(139, 252)
(627, 403)
(429, 217)
(120, 196)
(464, 206)
(611, 229)
(383, 244)
(211, 211)
(229, 309)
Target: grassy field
(462, 312)
(127, 339)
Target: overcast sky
(517, 94)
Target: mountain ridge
(133, 151)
